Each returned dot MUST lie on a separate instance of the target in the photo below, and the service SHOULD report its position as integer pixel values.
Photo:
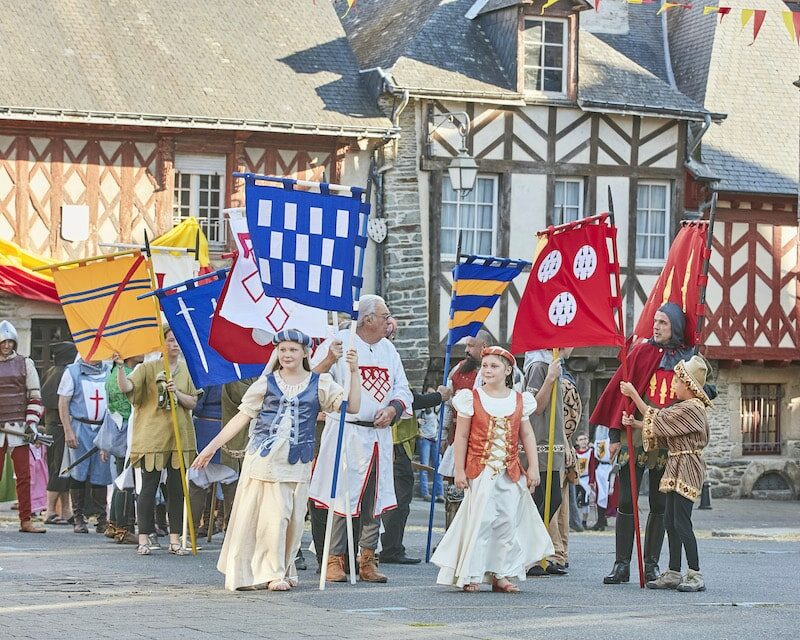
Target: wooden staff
(172, 408)
(548, 483)
(629, 430)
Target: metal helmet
(8, 332)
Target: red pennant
(796, 19)
(758, 20)
(723, 11)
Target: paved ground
(61, 584)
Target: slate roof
(431, 48)
(239, 64)
(427, 45)
(610, 79)
(755, 150)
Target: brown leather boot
(29, 527)
(335, 572)
(368, 567)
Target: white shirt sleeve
(67, 386)
(462, 403)
(528, 404)
(253, 398)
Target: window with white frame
(568, 200)
(199, 191)
(546, 55)
(473, 214)
(652, 222)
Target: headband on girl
(292, 335)
(499, 351)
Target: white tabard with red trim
(382, 380)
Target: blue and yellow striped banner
(478, 283)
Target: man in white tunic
(385, 398)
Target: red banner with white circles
(571, 297)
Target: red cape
(643, 360)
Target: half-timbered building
(752, 331)
(565, 105)
(135, 115)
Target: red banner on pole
(681, 281)
(569, 300)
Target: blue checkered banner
(189, 308)
(305, 242)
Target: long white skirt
(497, 532)
(264, 533)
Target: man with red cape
(651, 365)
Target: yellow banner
(186, 235)
(99, 300)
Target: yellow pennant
(747, 14)
(789, 19)
(547, 4)
(350, 4)
(707, 10)
(667, 6)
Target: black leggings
(657, 499)
(678, 523)
(147, 500)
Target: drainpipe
(380, 168)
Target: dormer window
(546, 55)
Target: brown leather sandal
(471, 587)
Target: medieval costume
(603, 476)
(63, 354)
(153, 446)
(20, 410)
(83, 388)
(404, 433)
(536, 366)
(586, 465)
(497, 533)
(207, 419)
(113, 438)
(368, 450)
(271, 499)
(650, 370)
(682, 429)
(232, 453)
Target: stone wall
(733, 474)
(404, 286)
